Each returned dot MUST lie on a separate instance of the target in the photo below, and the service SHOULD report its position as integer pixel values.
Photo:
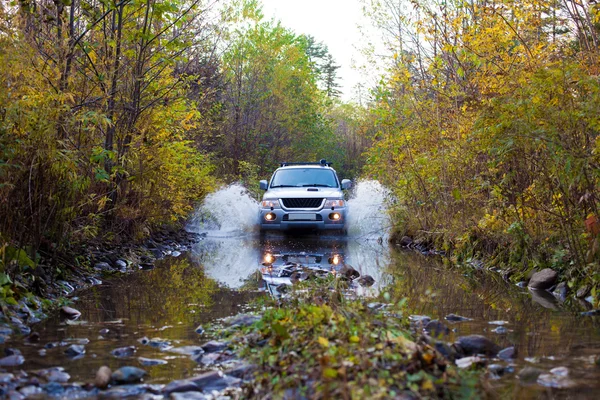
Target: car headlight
(335, 203)
(272, 204)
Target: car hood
(302, 192)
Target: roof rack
(322, 162)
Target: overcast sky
(333, 22)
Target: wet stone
(70, 312)
(500, 330)
(214, 346)
(123, 352)
(560, 371)
(149, 362)
(348, 272)
(12, 361)
(104, 331)
(529, 374)
(9, 351)
(242, 371)
(467, 362)
(123, 391)
(508, 353)
(189, 396)
(54, 389)
(242, 320)
(31, 390)
(6, 377)
(543, 279)
(102, 266)
(5, 330)
(555, 381)
(121, 264)
(199, 330)
(477, 344)
(159, 343)
(366, 281)
(436, 328)
(188, 350)
(103, 376)
(456, 318)
(128, 375)
(582, 292)
(75, 350)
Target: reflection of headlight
(272, 204)
(335, 259)
(269, 258)
(334, 203)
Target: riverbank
(30, 293)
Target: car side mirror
(264, 185)
(346, 183)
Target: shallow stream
(218, 279)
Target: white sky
(333, 22)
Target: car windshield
(299, 177)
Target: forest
(117, 117)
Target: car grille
(302, 203)
(318, 217)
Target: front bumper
(285, 220)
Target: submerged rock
(188, 350)
(128, 375)
(75, 350)
(477, 344)
(123, 352)
(457, 318)
(543, 279)
(529, 374)
(149, 362)
(241, 320)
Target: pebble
(103, 376)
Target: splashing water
(368, 205)
(230, 211)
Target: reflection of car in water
(284, 263)
(304, 196)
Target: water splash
(368, 205)
(231, 212)
(228, 212)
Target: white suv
(304, 196)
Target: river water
(219, 277)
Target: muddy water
(217, 279)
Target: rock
(405, 241)
(53, 389)
(508, 353)
(214, 346)
(582, 292)
(348, 272)
(498, 322)
(366, 281)
(456, 318)
(522, 284)
(242, 371)
(184, 385)
(423, 319)
(189, 396)
(149, 362)
(70, 312)
(199, 330)
(500, 330)
(555, 381)
(560, 371)
(103, 376)
(529, 374)
(445, 350)
(34, 337)
(128, 375)
(242, 320)
(5, 330)
(102, 266)
(144, 340)
(6, 377)
(42, 352)
(12, 361)
(31, 391)
(122, 352)
(146, 266)
(466, 362)
(215, 380)
(121, 264)
(126, 391)
(188, 350)
(160, 344)
(496, 370)
(436, 328)
(477, 344)
(75, 350)
(561, 291)
(104, 331)
(543, 279)
(9, 351)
